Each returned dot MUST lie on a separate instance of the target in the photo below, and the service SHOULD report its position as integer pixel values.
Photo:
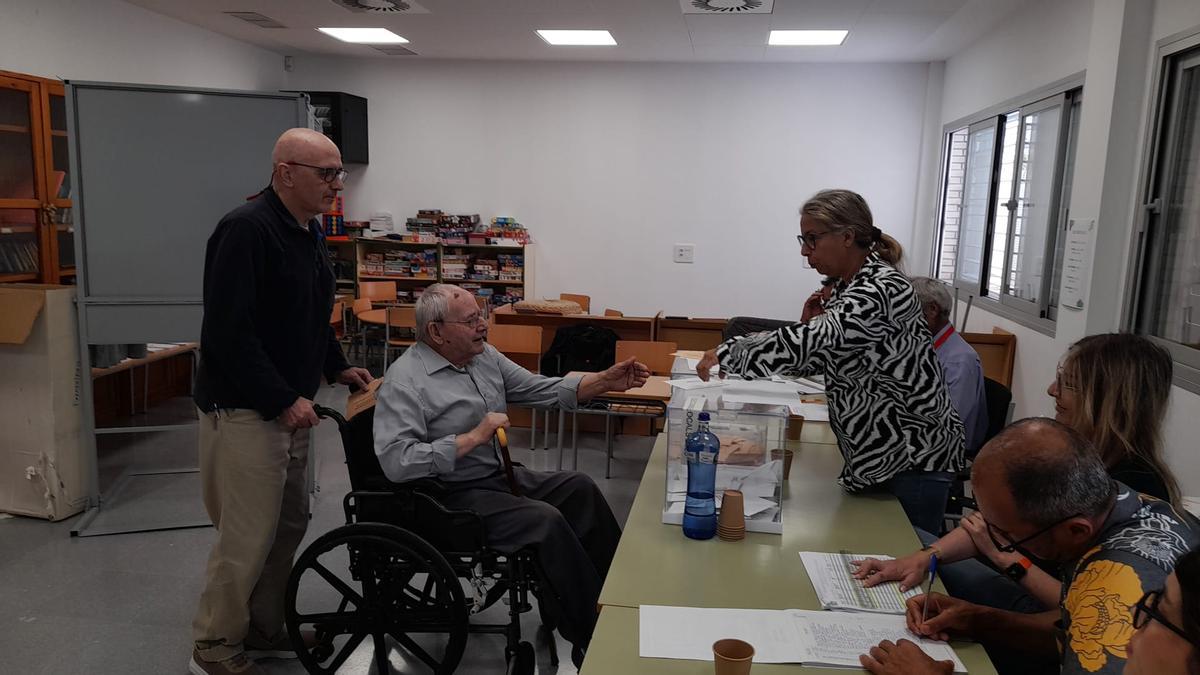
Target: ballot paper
(830, 639)
(836, 589)
(689, 383)
(763, 392)
(811, 412)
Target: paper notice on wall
(1077, 260)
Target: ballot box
(748, 433)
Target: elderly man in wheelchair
(438, 427)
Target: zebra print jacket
(888, 404)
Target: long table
(656, 565)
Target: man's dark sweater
(268, 294)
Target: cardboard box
(41, 449)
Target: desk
(656, 565)
(626, 327)
(190, 348)
(377, 317)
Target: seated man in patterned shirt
(1043, 491)
(436, 416)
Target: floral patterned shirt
(1135, 551)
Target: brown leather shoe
(234, 665)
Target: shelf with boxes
(490, 260)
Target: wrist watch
(1019, 569)
(933, 550)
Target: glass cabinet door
(21, 251)
(59, 187)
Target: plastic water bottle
(700, 509)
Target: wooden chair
(523, 345)
(403, 320)
(337, 319)
(378, 291)
(585, 301)
(997, 353)
(613, 312)
(360, 305)
(656, 355)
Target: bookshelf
(417, 264)
(36, 239)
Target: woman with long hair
(1114, 388)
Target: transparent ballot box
(748, 433)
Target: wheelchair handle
(330, 413)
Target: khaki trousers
(253, 474)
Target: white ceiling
(645, 30)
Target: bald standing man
(265, 344)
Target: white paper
(836, 589)
(778, 636)
(838, 639)
(1077, 256)
(811, 412)
(689, 383)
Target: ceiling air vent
(726, 6)
(381, 6)
(256, 19)
(394, 50)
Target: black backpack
(583, 347)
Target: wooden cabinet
(36, 238)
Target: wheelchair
(409, 559)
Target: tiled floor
(123, 604)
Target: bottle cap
(704, 417)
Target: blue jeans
(923, 495)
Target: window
(1167, 296)
(1005, 188)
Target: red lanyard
(945, 336)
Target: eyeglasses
(471, 321)
(1015, 546)
(328, 174)
(1147, 608)
(810, 240)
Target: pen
(932, 575)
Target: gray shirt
(964, 382)
(425, 401)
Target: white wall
(109, 40)
(611, 164)
(1113, 40)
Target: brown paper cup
(794, 427)
(786, 456)
(733, 657)
(733, 512)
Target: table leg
(533, 415)
(546, 433)
(575, 440)
(608, 444)
(562, 416)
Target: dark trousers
(922, 494)
(562, 516)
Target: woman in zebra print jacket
(888, 406)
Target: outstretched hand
(626, 375)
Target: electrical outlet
(684, 253)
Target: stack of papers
(829, 639)
(836, 589)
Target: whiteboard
(155, 169)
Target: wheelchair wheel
(379, 581)
(522, 660)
